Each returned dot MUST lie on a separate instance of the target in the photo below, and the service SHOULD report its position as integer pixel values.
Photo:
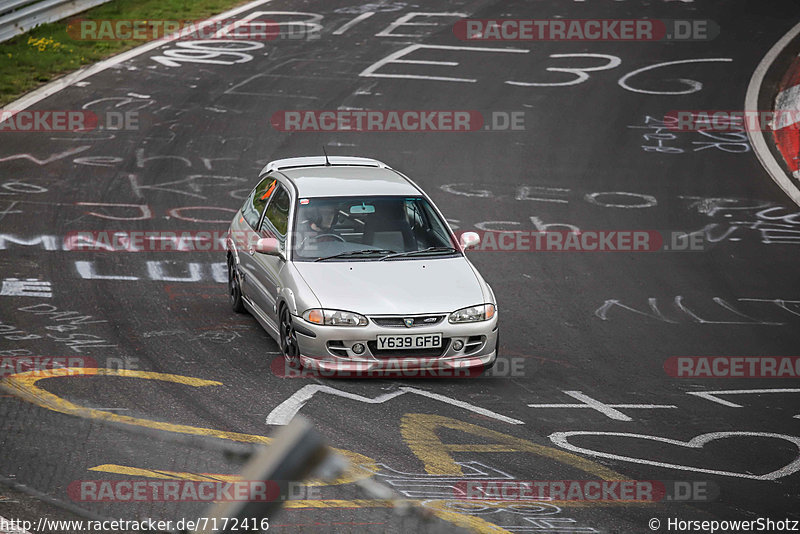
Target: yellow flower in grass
(43, 43)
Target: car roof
(345, 176)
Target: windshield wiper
(381, 251)
(439, 250)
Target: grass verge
(48, 51)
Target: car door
(253, 212)
(275, 223)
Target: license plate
(413, 341)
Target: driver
(320, 219)
(323, 221)
(319, 222)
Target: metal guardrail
(19, 16)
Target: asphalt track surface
(205, 133)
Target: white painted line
(370, 72)
(71, 79)
(757, 139)
(712, 395)
(405, 20)
(353, 22)
(465, 405)
(285, 411)
(29, 287)
(609, 410)
(623, 82)
(562, 440)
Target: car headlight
(334, 317)
(473, 314)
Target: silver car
(351, 268)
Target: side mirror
(469, 240)
(268, 245)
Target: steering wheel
(320, 236)
(317, 238)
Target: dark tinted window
(277, 212)
(255, 203)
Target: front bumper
(328, 349)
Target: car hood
(403, 287)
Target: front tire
(288, 336)
(234, 288)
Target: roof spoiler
(322, 161)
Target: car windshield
(369, 228)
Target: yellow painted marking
(378, 503)
(475, 523)
(419, 433)
(24, 386)
(440, 508)
(163, 474)
(437, 508)
(343, 503)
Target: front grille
(408, 353)
(399, 320)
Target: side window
(255, 203)
(277, 217)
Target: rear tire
(234, 288)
